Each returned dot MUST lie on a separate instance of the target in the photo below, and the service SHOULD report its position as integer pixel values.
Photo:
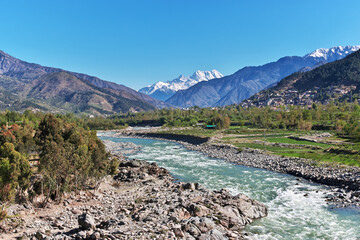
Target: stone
(86, 221)
(214, 234)
(39, 235)
(95, 235)
(182, 213)
(178, 232)
(190, 186)
(191, 229)
(81, 235)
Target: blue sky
(137, 43)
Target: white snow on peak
(332, 54)
(182, 82)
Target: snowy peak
(206, 75)
(164, 90)
(332, 54)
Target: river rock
(190, 186)
(86, 221)
(138, 205)
(178, 232)
(214, 234)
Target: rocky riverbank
(141, 202)
(343, 181)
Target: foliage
(14, 172)
(70, 156)
(221, 122)
(3, 213)
(343, 117)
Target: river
(297, 208)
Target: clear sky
(137, 43)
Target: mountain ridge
(15, 74)
(249, 80)
(330, 82)
(164, 90)
(75, 94)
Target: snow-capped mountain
(250, 80)
(164, 90)
(331, 54)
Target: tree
(70, 156)
(14, 172)
(221, 122)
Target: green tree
(14, 172)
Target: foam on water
(297, 209)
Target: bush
(14, 172)
(3, 213)
(70, 156)
(221, 122)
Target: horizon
(138, 44)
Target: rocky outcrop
(141, 202)
(120, 148)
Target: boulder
(178, 232)
(213, 235)
(190, 186)
(182, 213)
(86, 221)
(202, 223)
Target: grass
(281, 136)
(199, 132)
(273, 149)
(318, 155)
(257, 136)
(249, 130)
(278, 136)
(293, 141)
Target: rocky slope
(250, 80)
(140, 202)
(16, 74)
(164, 90)
(66, 92)
(338, 80)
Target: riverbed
(297, 208)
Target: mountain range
(25, 85)
(28, 85)
(165, 90)
(335, 81)
(250, 80)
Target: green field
(199, 132)
(245, 137)
(293, 141)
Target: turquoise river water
(297, 208)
